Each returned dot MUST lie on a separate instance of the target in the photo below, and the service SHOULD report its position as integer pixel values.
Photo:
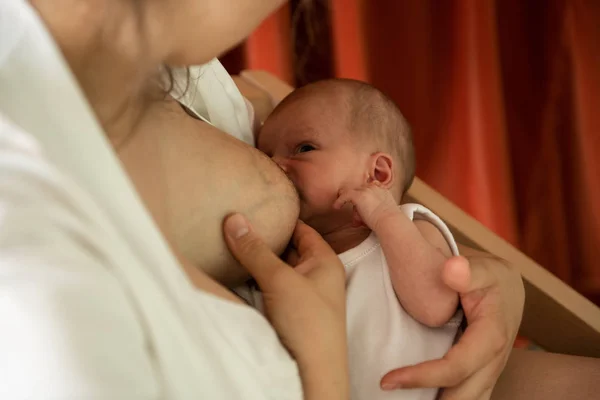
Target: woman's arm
(536, 375)
(492, 296)
(306, 304)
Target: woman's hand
(305, 304)
(492, 297)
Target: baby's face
(308, 139)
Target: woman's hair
(167, 80)
(311, 42)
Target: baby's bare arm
(433, 235)
(415, 253)
(414, 259)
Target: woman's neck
(103, 42)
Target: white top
(92, 302)
(227, 109)
(381, 334)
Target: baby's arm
(415, 263)
(415, 266)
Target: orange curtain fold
(349, 39)
(583, 38)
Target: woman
(101, 294)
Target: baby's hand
(372, 203)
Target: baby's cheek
(322, 195)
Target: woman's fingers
(308, 243)
(306, 309)
(319, 264)
(313, 256)
(470, 368)
(470, 354)
(478, 387)
(252, 252)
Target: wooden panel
(273, 87)
(556, 317)
(263, 105)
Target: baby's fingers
(345, 196)
(478, 386)
(357, 220)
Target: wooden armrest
(274, 88)
(556, 317)
(261, 101)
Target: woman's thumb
(250, 250)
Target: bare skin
(114, 49)
(161, 147)
(189, 202)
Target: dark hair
(311, 41)
(167, 80)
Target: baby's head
(337, 134)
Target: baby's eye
(304, 148)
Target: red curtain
(503, 97)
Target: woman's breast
(203, 175)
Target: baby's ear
(382, 169)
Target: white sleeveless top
(382, 336)
(92, 302)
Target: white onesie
(381, 334)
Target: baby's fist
(372, 203)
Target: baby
(348, 150)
